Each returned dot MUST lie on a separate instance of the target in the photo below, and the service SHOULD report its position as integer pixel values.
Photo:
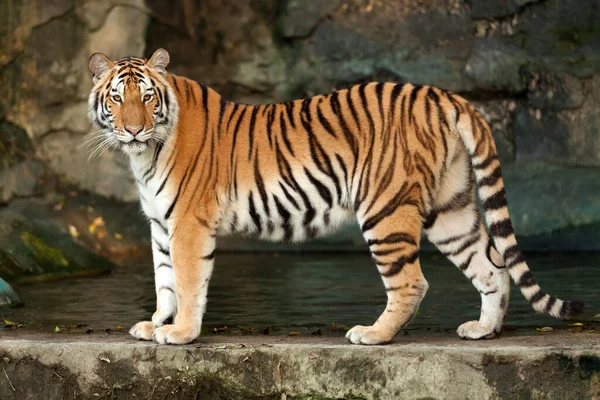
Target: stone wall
(44, 52)
(531, 66)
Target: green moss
(44, 254)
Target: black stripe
(336, 108)
(502, 228)
(485, 163)
(209, 257)
(284, 135)
(396, 237)
(233, 111)
(495, 201)
(468, 243)
(270, 120)
(365, 106)
(464, 265)
(285, 216)
(550, 304)
(163, 265)
(161, 249)
(164, 228)
(253, 214)
(290, 113)
(344, 170)
(325, 122)
(321, 188)
(396, 267)
(517, 259)
(162, 185)
(411, 102)
(222, 106)
(379, 94)
(526, 280)
(539, 295)
(492, 178)
(261, 188)
(251, 132)
(399, 199)
(350, 101)
(172, 206)
(289, 196)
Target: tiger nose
(134, 130)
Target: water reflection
(291, 290)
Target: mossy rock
(34, 248)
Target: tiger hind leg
(394, 244)
(457, 231)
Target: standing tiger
(399, 158)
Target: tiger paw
(475, 330)
(368, 335)
(142, 330)
(159, 319)
(174, 334)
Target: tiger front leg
(164, 279)
(193, 253)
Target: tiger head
(131, 102)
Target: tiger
(402, 160)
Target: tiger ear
(99, 65)
(159, 61)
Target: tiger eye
(147, 97)
(117, 98)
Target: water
(299, 292)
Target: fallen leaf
(73, 231)
(10, 323)
(576, 324)
(59, 206)
(105, 359)
(545, 329)
(101, 234)
(99, 221)
(246, 330)
(294, 334)
(220, 330)
(57, 329)
(118, 236)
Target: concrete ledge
(45, 366)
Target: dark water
(301, 293)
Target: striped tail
(477, 137)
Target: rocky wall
(531, 66)
(44, 52)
